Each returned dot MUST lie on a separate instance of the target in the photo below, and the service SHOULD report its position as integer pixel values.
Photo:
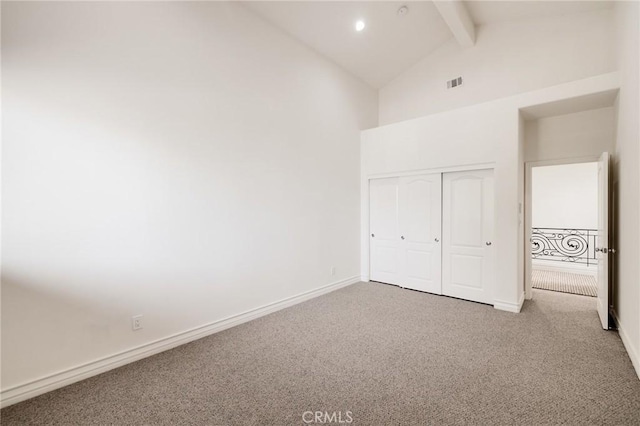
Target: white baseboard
(54, 381)
(508, 306)
(626, 341)
(569, 268)
(364, 278)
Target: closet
(433, 233)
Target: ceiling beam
(457, 17)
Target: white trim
(462, 168)
(57, 380)
(570, 268)
(563, 161)
(508, 306)
(626, 341)
(528, 211)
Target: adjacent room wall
(565, 196)
(626, 187)
(507, 59)
(183, 161)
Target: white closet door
(420, 227)
(468, 264)
(384, 231)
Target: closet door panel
(384, 239)
(420, 227)
(468, 251)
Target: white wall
(507, 59)
(184, 161)
(565, 196)
(627, 294)
(589, 133)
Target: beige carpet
(564, 282)
(390, 356)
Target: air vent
(454, 83)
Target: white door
(468, 258)
(384, 239)
(602, 245)
(420, 229)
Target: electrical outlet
(136, 322)
(333, 270)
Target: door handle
(488, 243)
(437, 240)
(612, 251)
(597, 249)
(402, 236)
(373, 235)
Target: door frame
(365, 230)
(528, 211)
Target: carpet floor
(388, 356)
(564, 282)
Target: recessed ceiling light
(403, 11)
(360, 25)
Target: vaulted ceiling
(391, 42)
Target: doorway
(564, 228)
(567, 225)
